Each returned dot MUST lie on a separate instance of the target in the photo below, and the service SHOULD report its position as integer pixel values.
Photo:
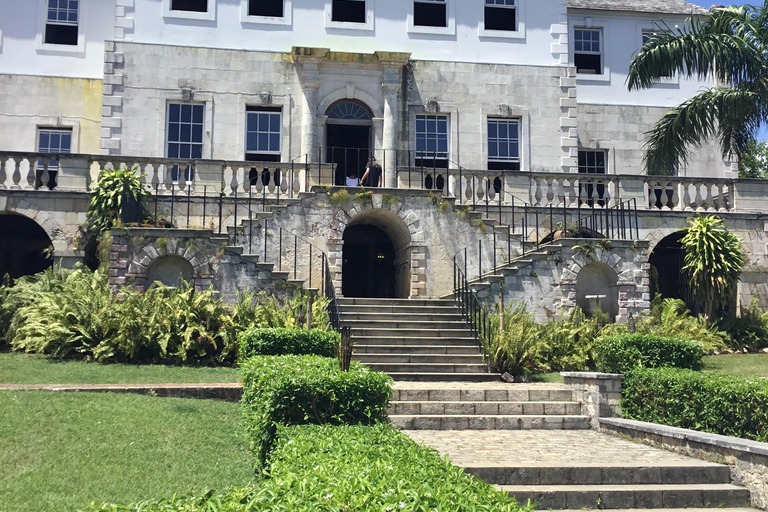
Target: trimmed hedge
(297, 390)
(628, 352)
(731, 406)
(345, 468)
(297, 342)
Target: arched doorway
(348, 135)
(25, 247)
(667, 277)
(376, 256)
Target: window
(189, 5)
(263, 133)
(61, 22)
(647, 35)
(501, 15)
(270, 8)
(52, 140)
(592, 161)
(348, 11)
(432, 140)
(185, 135)
(430, 13)
(587, 51)
(503, 144)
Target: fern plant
(516, 349)
(672, 319)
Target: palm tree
(730, 45)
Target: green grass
(16, 368)
(60, 451)
(747, 365)
(547, 377)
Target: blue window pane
(52, 13)
(274, 124)
(263, 142)
(443, 145)
(44, 142)
(421, 145)
(173, 112)
(420, 124)
(431, 126)
(503, 150)
(197, 151)
(185, 151)
(274, 142)
(173, 132)
(73, 16)
(503, 130)
(186, 132)
(66, 142)
(513, 130)
(514, 150)
(251, 142)
(492, 130)
(492, 150)
(186, 113)
(263, 123)
(198, 114)
(442, 125)
(173, 150)
(55, 142)
(197, 133)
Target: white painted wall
(22, 51)
(622, 37)
(387, 30)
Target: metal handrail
(474, 312)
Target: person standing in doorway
(373, 174)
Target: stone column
(598, 393)
(310, 82)
(390, 91)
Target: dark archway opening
(368, 263)
(25, 248)
(349, 147)
(667, 277)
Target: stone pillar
(310, 83)
(390, 91)
(598, 393)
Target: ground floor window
(185, 127)
(592, 161)
(432, 140)
(503, 144)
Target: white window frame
(594, 150)
(210, 15)
(645, 29)
(590, 24)
(368, 26)
(280, 124)
(60, 49)
(450, 12)
(53, 165)
(286, 20)
(167, 132)
(482, 32)
(426, 155)
(519, 139)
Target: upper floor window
(61, 22)
(504, 144)
(646, 36)
(432, 140)
(588, 50)
(263, 133)
(189, 5)
(501, 15)
(592, 161)
(269, 8)
(430, 13)
(185, 135)
(348, 11)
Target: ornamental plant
(107, 200)
(714, 259)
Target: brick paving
(544, 448)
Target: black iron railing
(475, 313)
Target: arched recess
(170, 270)
(365, 231)
(355, 94)
(348, 137)
(597, 287)
(25, 247)
(667, 277)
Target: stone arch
(170, 270)
(354, 94)
(181, 254)
(667, 258)
(597, 287)
(402, 228)
(25, 246)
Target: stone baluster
(674, 199)
(168, 178)
(258, 187)
(606, 193)
(550, 194)
(16, 175)
(537, 194)
(699, 198)
(36, 178)
(573, 198)
(32, 172)
(467, 191)
(709, 197)
(182, 181)
(685, 196)
(723, 197)
(3, 175)
(593, 195)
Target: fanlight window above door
(349, 110)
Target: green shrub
(296, 342)
(568, 343)
(517, 349)
(297, 390)
(731, 406)
(626, 353)
(671, 319)
(749, 332)
(292, 312)
(348, 468)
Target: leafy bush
(297, 342)
(517, 348)
(671, 319)
(346, 468)
(749, 332)
(731, 406)
(296, 390)
(292, 312)
(626, 353)
(113, 188)
(568, 343)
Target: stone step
(409, 333)
(420, 358)
(485, 408)
(409, 310)
(630, 496)
(404, 339)
(397, 323)
(489, 422)
(613, 474)
(514, 393)
(427, 367)
(364, 348)
(395, 302)
(420, 317)
(416, 376)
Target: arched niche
(170, 270)
(597, 286)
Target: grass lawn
(60, 451)
(16, 368)
(747, 365)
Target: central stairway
(416, 340)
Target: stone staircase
(420, 339)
